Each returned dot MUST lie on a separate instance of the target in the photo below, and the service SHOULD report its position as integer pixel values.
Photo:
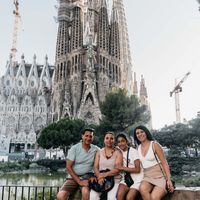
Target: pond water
(39, 179)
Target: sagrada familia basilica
(92, 57)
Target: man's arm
(70, 170)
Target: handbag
(107, 185)
(127, 176)
(173, 182)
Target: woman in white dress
(156, 170)
(124, 191)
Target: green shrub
(180, 164)
(194, 182)
(53, 165)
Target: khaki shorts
(70, 185)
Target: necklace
(110, 154)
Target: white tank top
(149, 159)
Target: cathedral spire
(135, 87)
(33, 71)
(125, 55)
(64, 18)
(103, 4)
(21, 71)
(115, 10)
(114, 33)
(9, 67)
(143, 92)
(76, 29)
(103, 27)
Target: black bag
(128, 179)
(105, 187)
(127, 176)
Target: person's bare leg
(85, 193)
(157, 193)
(63, 195)
(122, 191)
(131, 195)
(145, 190)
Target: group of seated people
(147, 167)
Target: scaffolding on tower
(17, 19)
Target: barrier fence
(14, 192)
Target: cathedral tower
(89, 59)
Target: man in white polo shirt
(80, 160)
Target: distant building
(25, 97)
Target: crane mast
(15, 31)
(177, 89)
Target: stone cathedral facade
(25, 99)
(92, 57)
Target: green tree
(194, 136)
(173, 137)
(121, 111)
(180, 137)
(63, 134)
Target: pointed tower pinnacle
(143, 92)
(125, 55)
(135, 86)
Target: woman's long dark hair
(147, 132)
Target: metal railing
(14, 192)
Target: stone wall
(179, 194)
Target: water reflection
(29, 180)
(47, 179)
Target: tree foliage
(180, 137)
(121, 111)
(61, 134)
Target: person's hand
(170, 186)
(101, 180)
(83, 183)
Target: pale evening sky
(164, 40)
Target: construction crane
(17, 18)
(176, 91)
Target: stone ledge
(184, 194)
(179, 194)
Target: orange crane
(15, 31)
(176, 91)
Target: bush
(194, 182)
(25, 164)
(7, 167)
(53, 165)
(180, 164)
